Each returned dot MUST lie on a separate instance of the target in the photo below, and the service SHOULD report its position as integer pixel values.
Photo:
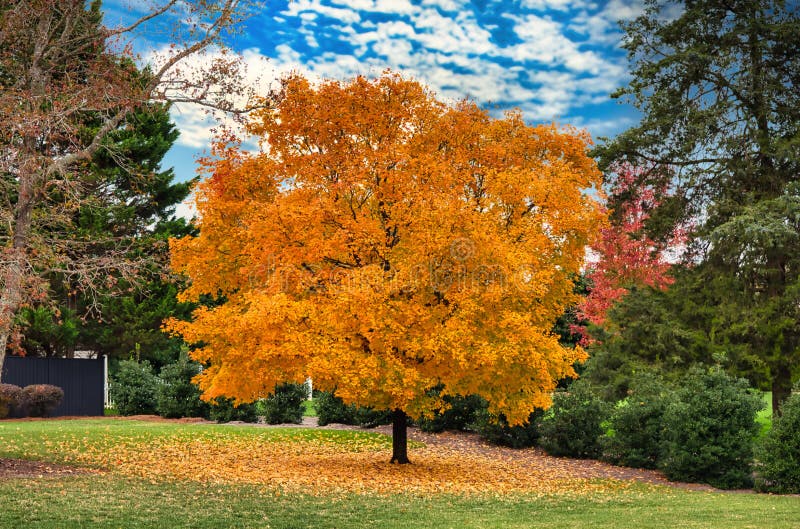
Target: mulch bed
(22, 468)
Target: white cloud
(461, 34)
(195, 124)
(547, 5)
(398, 7)
(600, 127)
(303, 8)
(257, 76)
(543, 41)
(442, 43)
(602, 27)
(312, 41)
(186, 209)
(446, 5)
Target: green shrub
(41, 399)
(285, 405)
(709, 430)
(633, 437)
(223, 410)
(177, 396)
(497, 431)
(133, 388)
(778, 454)
(461, 415)
(367, 417)
(331, 409)
(10, 400)
(572, 425)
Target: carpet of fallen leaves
(312, 462)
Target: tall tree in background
(130, 197)
(717, 83)
(65, 86)
(384, 244)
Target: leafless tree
(67, 82)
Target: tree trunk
(781, 387)
(13, 275)
(9, 304)
(3, 341)
(399, 437)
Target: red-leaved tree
(625, 254)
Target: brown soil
(21, 468)
(156, 418)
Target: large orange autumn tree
(383, 243)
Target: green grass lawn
(114, 501)
(308, 409)
(109, 502)
(764, 417)
(40, 440)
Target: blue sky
(556, 60)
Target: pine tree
(717, 84)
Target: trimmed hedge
(285, 405)
(133, 388)
(709, 429)
(176, 395)
(778, 454)
(573, 425)
(223, 410)
(10, 400)
(331, 409)
(633, 436)
(41, 399)
(497, 431)
(462, 414)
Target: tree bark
(9, 304)
(400, 437)
(781, 387)
(13, 275)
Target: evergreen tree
(132, 201)
(717, 84)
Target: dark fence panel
(82, 381)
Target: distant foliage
(367, 417)
(133, 388)
(778, 455)
(709, 429)
(285, 405)
(331, 409)
(573, 424)
(462, 414)
(223, 410)
(177, 396)
(633, 436)
(41, 399)
(10, 399)
(496, 430)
